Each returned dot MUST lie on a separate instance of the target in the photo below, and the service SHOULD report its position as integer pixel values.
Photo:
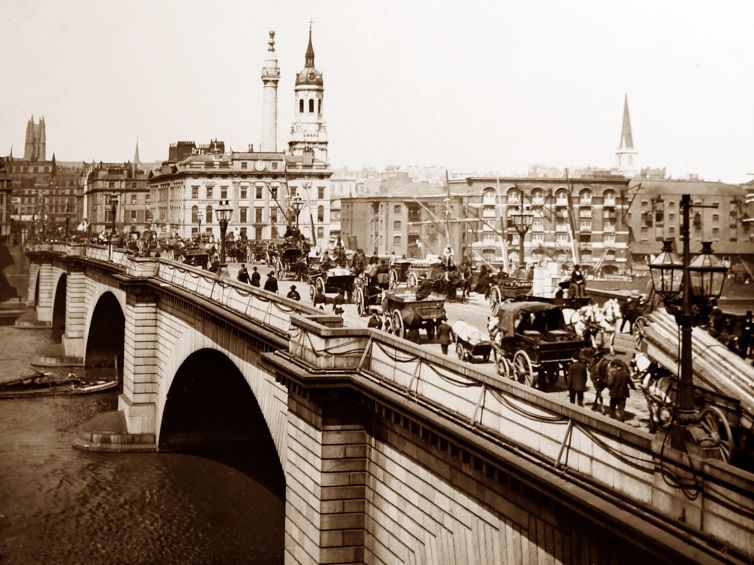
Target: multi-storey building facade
(126, 183)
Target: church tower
(270, 79)
(627, 158)
(36, 141)
(308, 131)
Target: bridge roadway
(475, 311)
(389, 452)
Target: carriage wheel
(393, 278)
(279, 272)
(714, 423)
(412, 279)
(502, 365)
(640, 332)
(399, 329)
(311, 293)
(361, 303)
(495, 299)
(523, 369)
(460, 351)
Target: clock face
(259, 165)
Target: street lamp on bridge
(688, 289)
(113, 201)
(522, 222)
(297, 204)
(224, 212)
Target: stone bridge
(389, 453)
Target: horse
(609, 323)
(599, 364)
(656, 382)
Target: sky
(473, 86)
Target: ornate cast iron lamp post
(224, 212)
(522, 222)
(687, 288)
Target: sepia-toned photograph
(337, 282)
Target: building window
(223, 193)
(210, 192)
(244, 192)
(259, 193)
(195, 192)
(320, 233)
(133, 199)
(311, 105)
(397, 225)
(195, 214)
(273, 215)
(258, 215)
(301, 106)
(258, 234)
(716, 234)
(244, 164)
(397, 209)
(243, 212)
(208, 215)
(274, 193)
(320, 213)
(133, 215)
(320, 106)
(397, 240)
(321, 193)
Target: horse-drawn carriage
(368, 290)
(507, 288)
(196, 257)
(332, 280)
(402, 311)
(399, 273)
(291, 258)
(470, 343)
(531, 342)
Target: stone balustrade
(613, 459)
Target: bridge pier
(326, 475)
(138, 401)
(76, 311)
(43, 300)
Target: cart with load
(507, 288)
(402, 311)
(531, 342)
(399, 271)
(470, 343)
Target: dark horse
(598, 364)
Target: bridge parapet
(615, 462)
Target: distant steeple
(627, 157)
(136, 153)
(54, 165)
(626, 137)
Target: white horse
(609, 323)
(656, 384)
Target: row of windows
(311, 106)
(243, 214)
(243, 193)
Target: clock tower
(308, 130)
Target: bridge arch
(59, 303)
(106, 333)
(211, 407)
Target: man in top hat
(271, 283)
(293, 293)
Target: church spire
(626, 137)
(627, 156)
(309, 62)
(136, 153)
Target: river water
(65, 506)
